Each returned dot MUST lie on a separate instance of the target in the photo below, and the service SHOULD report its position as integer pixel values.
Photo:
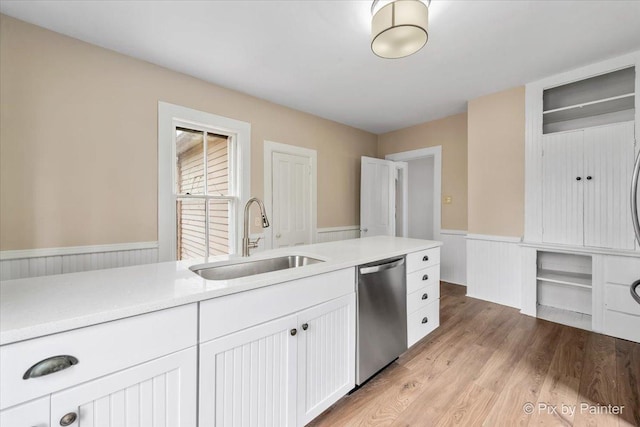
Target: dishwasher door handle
(382, 267)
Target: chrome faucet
(246, 242)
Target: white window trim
(170, 115)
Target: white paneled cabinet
(159, 393)
(249, 377)
(283, 372)
(30, 414)
(608, 166)
(326, 356)
(125, 374)
(563, 200)
(586, 177)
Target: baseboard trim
(491, 300)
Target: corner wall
(496, 196)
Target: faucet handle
(254, 243)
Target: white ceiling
(314, 56)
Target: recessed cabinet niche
(564, 288)
(600, 100)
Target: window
(205, 199)
(203, 178)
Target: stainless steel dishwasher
(382, 316)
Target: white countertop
(39, 306)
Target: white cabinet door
(159, 393)
(248, 378)
(377, 197)
(608, 157)
(30, 414)
(326, 356)
(562, 201)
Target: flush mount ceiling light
(399, 28)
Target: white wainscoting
(44, 262)
(493, 269)
(453, 257)
(331, 234)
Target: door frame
(402, 168)
(436, 153)
(271, 147)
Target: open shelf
(600, 100)
(590, 109)
(565, 317)
(565, 278)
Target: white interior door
(377, 197)
(608, 155)
(291, 200)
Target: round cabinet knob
(305, 326)
(425, 296)
(425, 258)
(68, 419)
(578, 178)
(589, 178)
(278, 236)
(425, 320)
(364, 230)
(425, 277)
(293, 332)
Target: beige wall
(78, 142)
(451, 133)
(496, 163)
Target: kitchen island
(147, 342)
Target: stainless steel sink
(250, 268)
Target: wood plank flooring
(487, 361)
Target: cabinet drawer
(419, 260)
(422, 297)
(618, 298)
(622, 325)
(422, 322)
(222, 316)
(622, 270)
(99, 350)
(420, 279)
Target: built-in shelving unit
(603, 99)
(564, 288)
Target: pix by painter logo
(530, 408)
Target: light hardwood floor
(485, 362)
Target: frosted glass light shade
(399, 29)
